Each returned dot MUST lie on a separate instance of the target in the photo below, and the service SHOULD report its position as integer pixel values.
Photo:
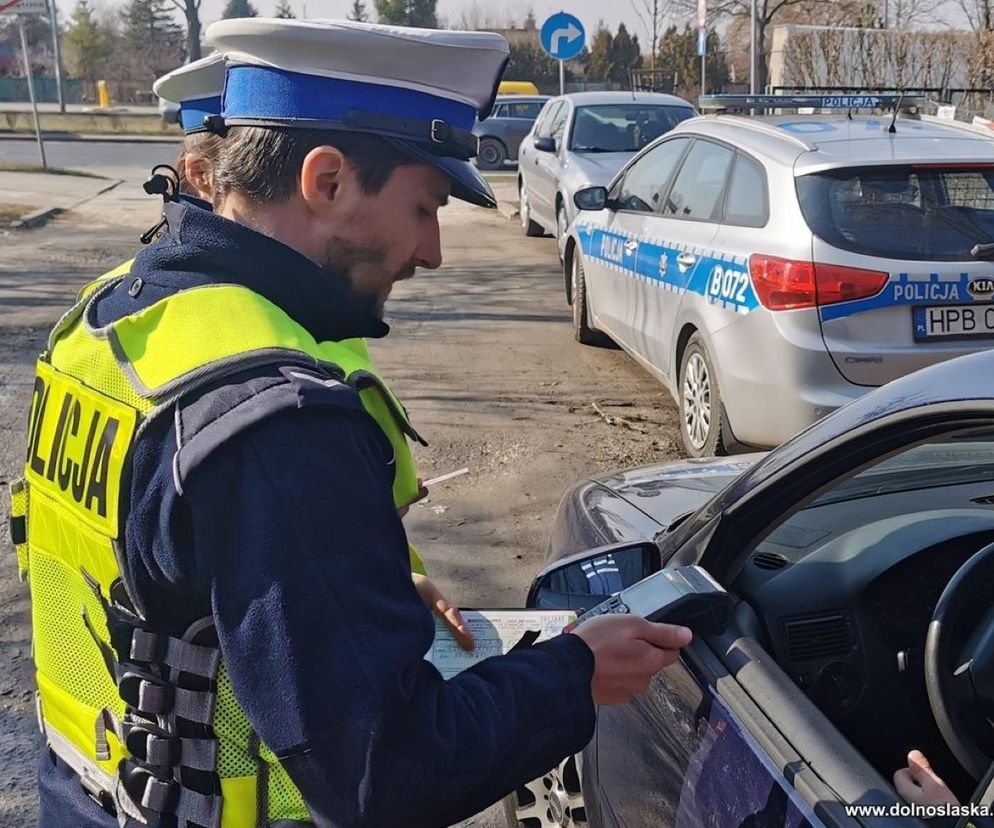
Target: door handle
(686, 260)
(631, 246)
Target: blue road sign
(563, 36)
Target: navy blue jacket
(288, 536)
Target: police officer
(225, 627)
(197, 88)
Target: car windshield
(915, 212)
(623, 127)
(951, 462)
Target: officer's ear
(322, 175)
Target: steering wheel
(962, 679)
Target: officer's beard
(350, 264)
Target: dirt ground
(481, 352)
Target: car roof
(813, 142)
(593, 98)
(520, 99)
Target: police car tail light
(790, 284)
(835, 283)
(782, 284)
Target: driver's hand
(920, 785)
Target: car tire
(491, 154)
(531, 229)
(702, 425)
(561, 228)
(554, 800)
(583, 331)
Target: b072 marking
(728, 284)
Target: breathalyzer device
(684, 595)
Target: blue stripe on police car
(721, 279)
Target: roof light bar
(844, 102)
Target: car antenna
(892, 129)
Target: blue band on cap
(263, 92)
(192, 113)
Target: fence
(15, 90)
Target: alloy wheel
(697, 401)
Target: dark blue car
(861, 558)
(505, 128)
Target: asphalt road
(114, 159)
(481, 351)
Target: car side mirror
(591, 198)
(543, 144)
(582, 581)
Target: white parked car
(584, 139)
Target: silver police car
(768, 269)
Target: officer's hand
(628, 652)
(920, 785)
(439, 605)
(421, 495)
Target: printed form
(495, 633)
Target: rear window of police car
(921, 212)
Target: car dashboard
(844, 593)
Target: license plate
(953, 322)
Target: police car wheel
(583, 331)
(530, 227)
(701, 418)
(551, 801)
(491, 154)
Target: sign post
(22, 8)
(702, 41)
(31, 91)
(563, 37)
(53, 19)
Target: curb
(508, 209)
(78, 137)
(41, 217)
(36, 219)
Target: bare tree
(979, 13)
(480, 15)
(861, 58)
(769, 12)
(910, 14)
(191, 11)
(652, 14)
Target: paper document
(495, 633)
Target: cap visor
(467, 182)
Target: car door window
(746, 204)
(698, 189)
(558, 126)
(500, 111)
(529, 111)
(645, 182)
(543, 129)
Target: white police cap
(197, 88)
(421, 89)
